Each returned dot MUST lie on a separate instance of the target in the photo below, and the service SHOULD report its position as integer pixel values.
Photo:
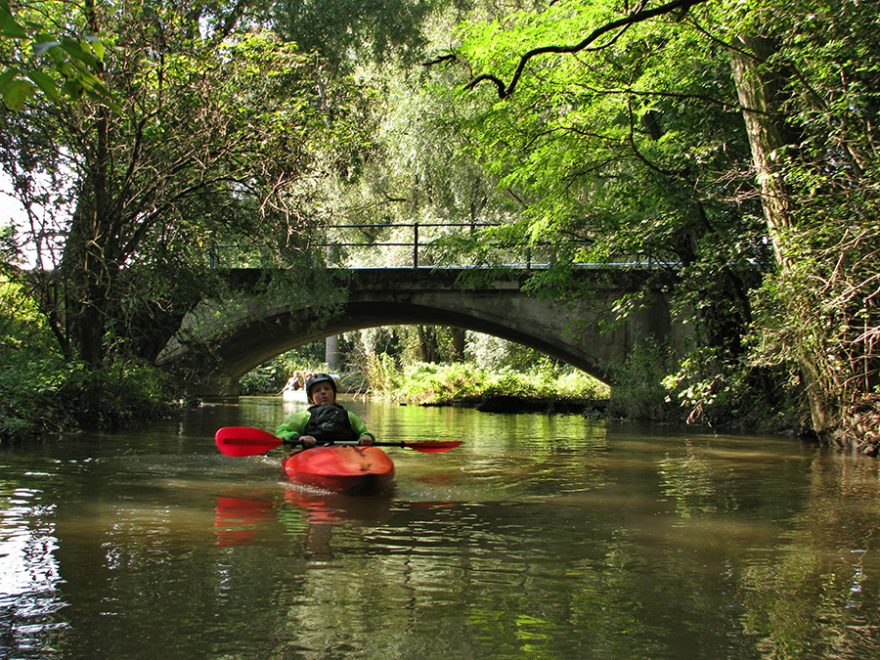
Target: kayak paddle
(250, 441)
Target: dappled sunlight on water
(541, 536)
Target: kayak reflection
(323, 508)
(237, 519)
(240, 520)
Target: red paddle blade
(245, 441)
(433, 446)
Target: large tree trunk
(766, 139)
(89, 262)
(770, 146)
(458, 344)
(427, 343)
(86, 275)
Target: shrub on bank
(639, 392)
(41, 392)
(271, 376)
(464, 382)
(44, 394)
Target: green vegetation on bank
(493, 367)
(41, 392)
(465, 382)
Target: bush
(464, 382)
(271, 376)
(118, 395)
(41, 392)
(637, 390)
(733, 393)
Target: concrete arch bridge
(253, 331)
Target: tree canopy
(731, 144)
(212, 143)
(724, 136)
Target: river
(540, 537)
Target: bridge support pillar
(331, 353)
(215, 386)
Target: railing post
(331, 252)
(415, 245)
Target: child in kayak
(325, 420)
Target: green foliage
(29, 390)
(271, 376)
(21, 323)
(122, 393)
(817, 316)
(268, 378)
(231, 144)
(629, 153)
(637, 390)
(212, 157)
(634, 150)
(343, 31)
(493, 353)
(433, 383)
(42, 392)
(464, 382)
(58, 66)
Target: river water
(540, 537)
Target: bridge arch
(573, 333)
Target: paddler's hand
(365, 440)
(308, 441)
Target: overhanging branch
(636, 17)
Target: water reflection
(539, 537)
(818, 595)
(29, 572)
(238, 520)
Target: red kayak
(351, 470)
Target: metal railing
(419, 248)
(415, 244)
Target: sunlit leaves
(211, 154)
(347, 32)
(39, 63)
(612, 144)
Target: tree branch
(636, 17)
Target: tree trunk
(331, 353)
(427, 343)
(766, 139)
(770, 148)
(83, 267)
(458, 344)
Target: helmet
(319, 378)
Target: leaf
(16, 93)
(97, 46)
(9, 27)
(74, 49)
(46, 83)
(101, 94)
(44, 44)
(72, 88)
(6, 77)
